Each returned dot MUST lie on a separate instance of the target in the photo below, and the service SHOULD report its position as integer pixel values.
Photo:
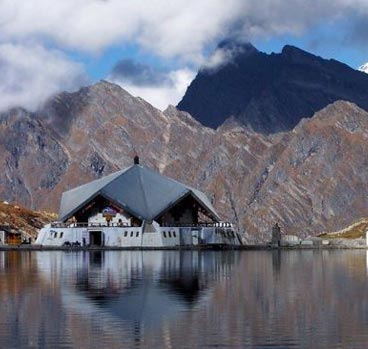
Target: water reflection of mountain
(28, 304)
(251, 299)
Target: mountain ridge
(252, 178)
(272, 92)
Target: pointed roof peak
(141, 191)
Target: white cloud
(225, 53)
(176, 28)
(92, 25)
(179, 29)
(364, 68)
(160, 96)
(29, 74)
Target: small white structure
(137, 207)
(290, 240)
(2, 237)
(307, 242)
(9, 237)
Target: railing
(199, 225)
(164, 225)
(87, 225)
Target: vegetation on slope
(18, 218)
(355, 231)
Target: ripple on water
(184, 299)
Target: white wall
(100, 219)
(133, 236)
(113, 236)
(2, 237)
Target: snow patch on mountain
(364, 68)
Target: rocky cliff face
(311, 179)
(316, 177)
(270, 93)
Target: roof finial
(136, 160)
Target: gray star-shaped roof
(141, 191)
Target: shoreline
(180, 248)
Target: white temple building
(137, 207)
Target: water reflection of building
(295, 299)
(80, 299)
(137, 287)
(127, 294)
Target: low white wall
(133, 236)
(112, 236)
(170, 236)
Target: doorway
(95, 238)
(195, 237)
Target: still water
(187, 299)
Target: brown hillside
(355, 231)
(311, 179)
(21, 219)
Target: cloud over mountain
(29, 74)
(180, 31)
(138, 73)
(157, 86)
(179, 28)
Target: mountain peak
(269, 93)
(233, 44)
(293, 49)
(105, 85)
(227, 52)
(297, 55)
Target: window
(125, 234)
(169, 234)
(55, 235)
(137, 234)
(61, 235)
(164, 234)
(131, 234)
(174, 234)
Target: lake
(184, 299)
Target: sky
(154, 48)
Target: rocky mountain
(270, 93)
(311, 179)
(315, 178)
